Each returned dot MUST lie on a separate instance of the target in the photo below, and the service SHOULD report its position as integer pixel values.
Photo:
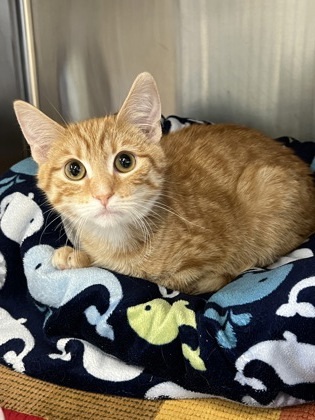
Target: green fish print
(158, 323)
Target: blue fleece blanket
(95, 330)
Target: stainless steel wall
(245, 61)
(12, 147)
(88, 53)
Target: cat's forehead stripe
(94, 136)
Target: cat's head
(107, 170)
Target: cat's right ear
(38, 129)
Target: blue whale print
(55, 288)
(25, 167)
(250, 287)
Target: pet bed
(96, 331)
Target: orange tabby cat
(190, 210)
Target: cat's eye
(125, 162)
(75, 170)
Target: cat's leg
(193, 282)
(68, 257)
(210, 282)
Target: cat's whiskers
(165, 207)
(78, 231)
(170, 210)
(47, 214)
(68, 229)
(139, 219)
(45, 225)
(145, 204)
(73, 225)
(57, 111)
(146, 232)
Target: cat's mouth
(108, 213)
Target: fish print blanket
(95, 330)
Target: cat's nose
(103, 198)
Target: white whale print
(11, 328)
(297, 254)
(293, 362)
(293, 307)
(98, 363)
(3, 270)
(20, 216)
(171, 390)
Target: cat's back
(239, 174)
(237, 144)
(222, 152)
(250, 194)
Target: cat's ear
(38, 129)
(142, 107)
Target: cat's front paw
(67, 257)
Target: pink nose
(104, 198)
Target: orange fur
(201, 205)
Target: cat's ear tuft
(39, 130)
(142, 107)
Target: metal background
(12, 147)
(244, 61)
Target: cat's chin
(108, 218)
(111, 219)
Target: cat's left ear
(142, 107)
(39, 130)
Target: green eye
(75, 170)
(125, 162)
